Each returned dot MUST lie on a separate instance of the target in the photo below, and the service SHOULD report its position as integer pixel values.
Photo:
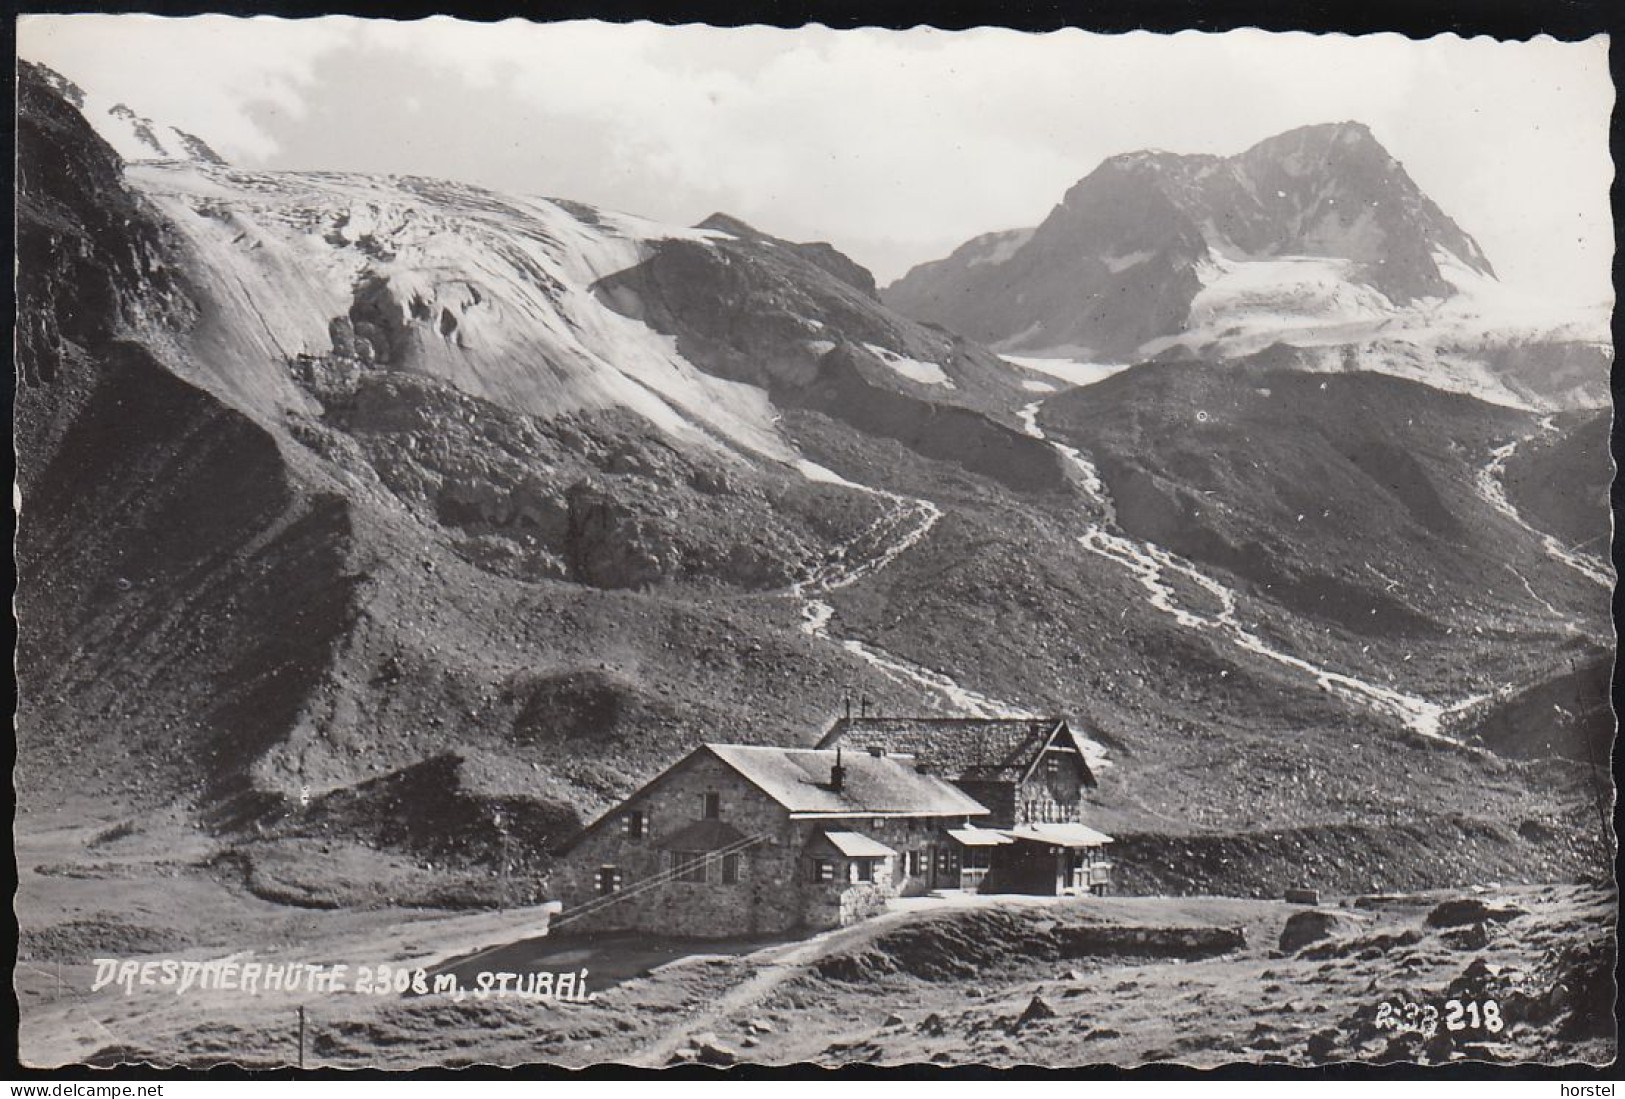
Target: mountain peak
(1132, 244)
(727, 223)
(1324, 139)
(54, 80)
(1348, 129)
(131, 134)
(818, 253)
(1157, 159)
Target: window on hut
(711, 805)
(823, 870)
(864, 869)
(689, 865)
(634, 824)
(730, 869)
(609, 880)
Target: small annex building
(1031, 773)
(1025, 770)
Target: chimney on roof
(877, 751)
(863, 703)
(837, 773)
(847, 698)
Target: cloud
(197, 73)
(894, 145)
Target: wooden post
(504, 868)
(301, 1036)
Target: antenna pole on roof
(847, 699)
(864, 704)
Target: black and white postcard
(627, 544)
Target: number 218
(1459, 1016)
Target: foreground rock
(1308, 927)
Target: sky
(895, 146)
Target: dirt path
(773, 967)
(779, 963)
(907, 522)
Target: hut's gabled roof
(800, 780)
(962, 749)
(874, 786)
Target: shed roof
(979, 837)
(874, 786)
(1059, 835)
(964, 749)
(856, 846)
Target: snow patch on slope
(1004, 246)
(135, 137)
(913, 369)
(494, 294)
(1118, 264)
(1309, 303)
(823, 475)
(1071, 371)
(1283, 291)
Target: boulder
(1472, 937)
(1325, 1045)
(1036, 1010)
(1311, 926)
(715, 1053)
(1469, 910)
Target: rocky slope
(1316, 237)
(1558, 477)
(350, 503)
(133, 136)
(1361, 473)
(267, 544)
